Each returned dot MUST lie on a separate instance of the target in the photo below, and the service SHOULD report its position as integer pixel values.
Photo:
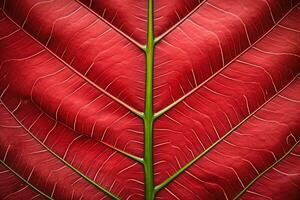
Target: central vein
(148, 113)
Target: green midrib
(148, 112)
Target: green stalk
(148, 113)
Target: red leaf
(149, 99)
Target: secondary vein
(189, 164)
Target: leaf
(149, 99)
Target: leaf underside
(122, 99)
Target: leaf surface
(130, 17)
(149, 99)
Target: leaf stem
(148, 113)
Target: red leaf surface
(130, 16)
(130, 99)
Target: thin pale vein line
(133, 110)
(167, 108)
(136, 158)
(160, 37)
(25, 181)
(264, 172)
(58, 157)
(181, 170)
(139, 45)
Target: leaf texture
(245, 154)
(130, 17)
(149, 99)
